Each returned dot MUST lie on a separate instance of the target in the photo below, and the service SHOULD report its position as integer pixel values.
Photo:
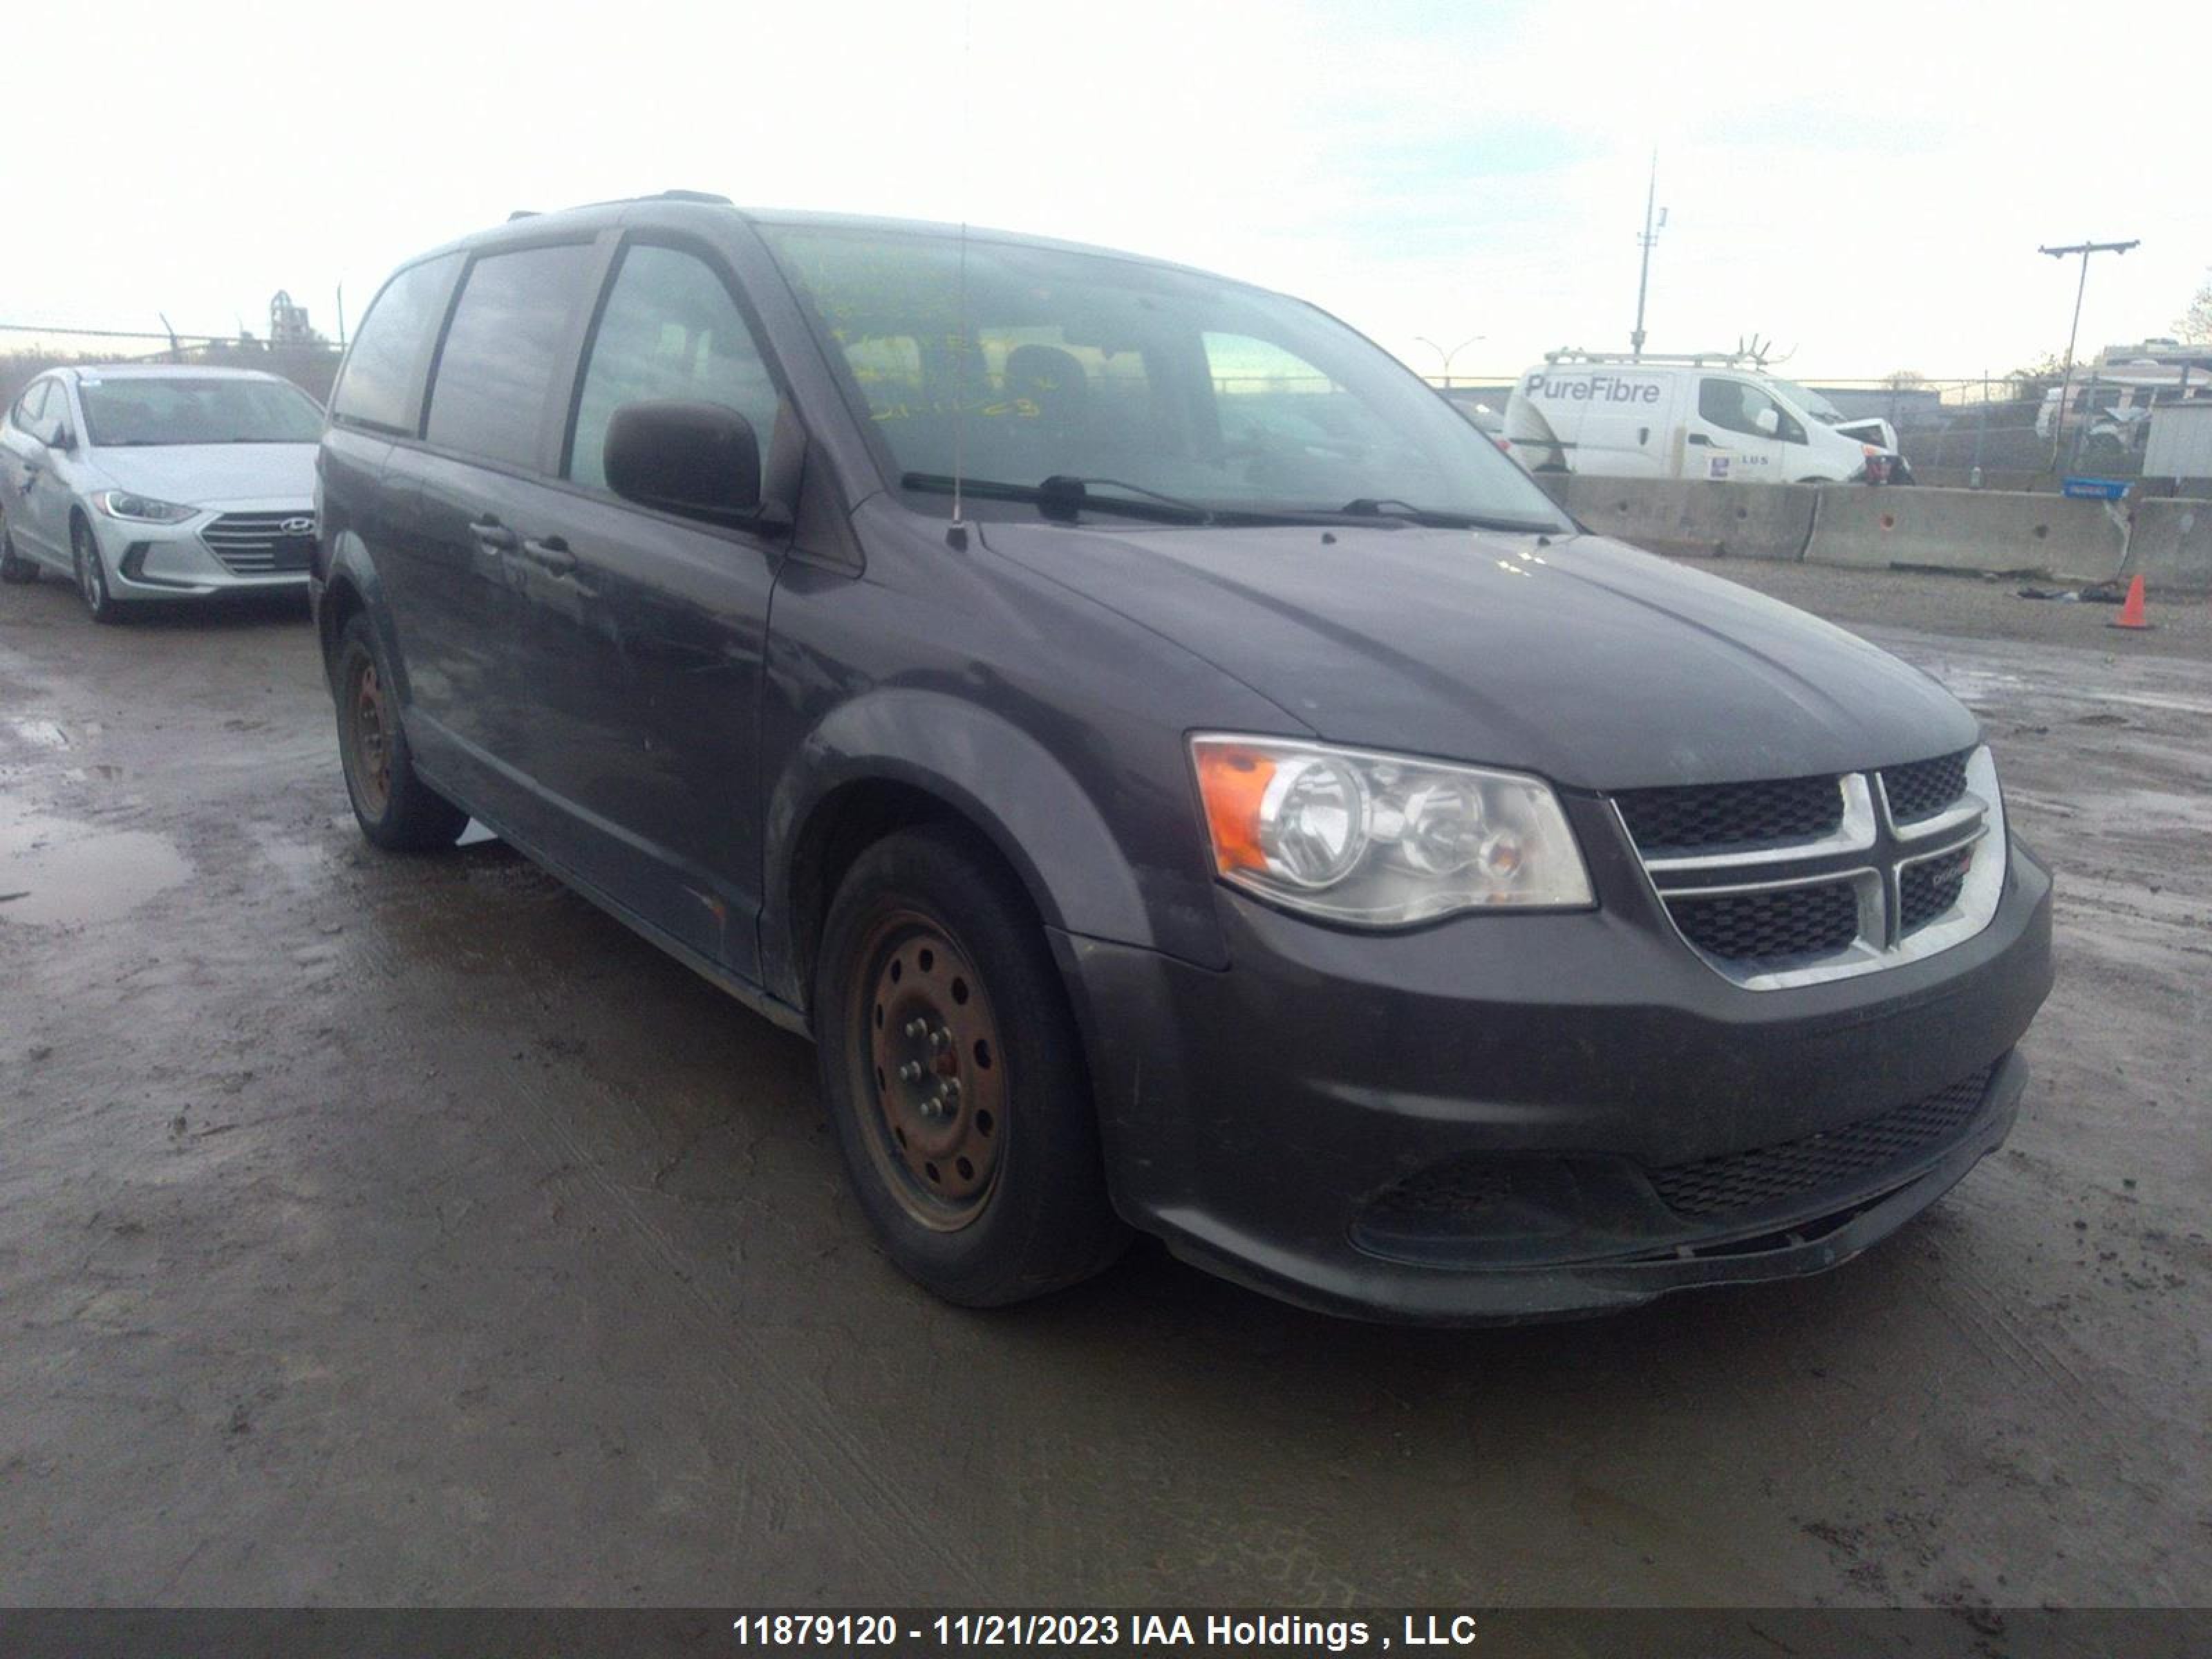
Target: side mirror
(698, 460)
(1768, 421)
(64, 440)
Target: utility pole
(2066, 375)
(1643, 277)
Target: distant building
(287, 323)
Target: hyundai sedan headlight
(1381, 840)
(141, 509)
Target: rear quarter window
(378, 387)
(507, 342)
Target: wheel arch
(896, 759)
(352, 589)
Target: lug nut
(941, 1038)
(917, 1027)
(911, 1072)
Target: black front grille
(1926, 890)
(1834, 1158)
(1924, 788)
(1777, 921)
(1719, 815)
(259, 545)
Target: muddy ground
(393, 1230)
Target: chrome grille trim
(1871, 850)
(1855, 834)
(261, 544)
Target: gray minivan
(1182, 775)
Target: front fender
(1003, 781)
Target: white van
(1707, 417)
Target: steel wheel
(931, 1044)
(368, 736)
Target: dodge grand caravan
(1183, 778)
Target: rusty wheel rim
(368, 746)
(933, 1069)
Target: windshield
(1141, 378)
(146, 410)
(1810, 401)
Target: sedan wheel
(92, 575)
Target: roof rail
(521, 213)
(1737, 358)
(693, 195)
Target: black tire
(15, 570)
(92, 575)
(394, 807)
(928, 926)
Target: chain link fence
(27, 349)
(1997, 431)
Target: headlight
(145, 509)
(1381, 839)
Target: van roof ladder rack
(1754, 357)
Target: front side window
(1736, 405)
(132, 411)
(502, 351)
(670, 332)
(378, 385)
(1031, 364)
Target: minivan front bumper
(1476, 1121)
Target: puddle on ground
(59, 871)
(301, 864)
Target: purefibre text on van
(1595, 388)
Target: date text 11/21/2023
(941, 1633)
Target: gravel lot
(402, 1231)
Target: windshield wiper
(1391, 507)
(1062, 497)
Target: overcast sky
(1865, 182)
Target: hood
(1581, 658)
(1872, 430)
(213, 475)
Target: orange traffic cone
(2131, 608)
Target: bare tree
(2195, 324)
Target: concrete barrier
(1966, 530)
(1690, 515)
(2170, 545)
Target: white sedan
(139, 482)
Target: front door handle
(493, 536)
(1698, 438)
(552, 553)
